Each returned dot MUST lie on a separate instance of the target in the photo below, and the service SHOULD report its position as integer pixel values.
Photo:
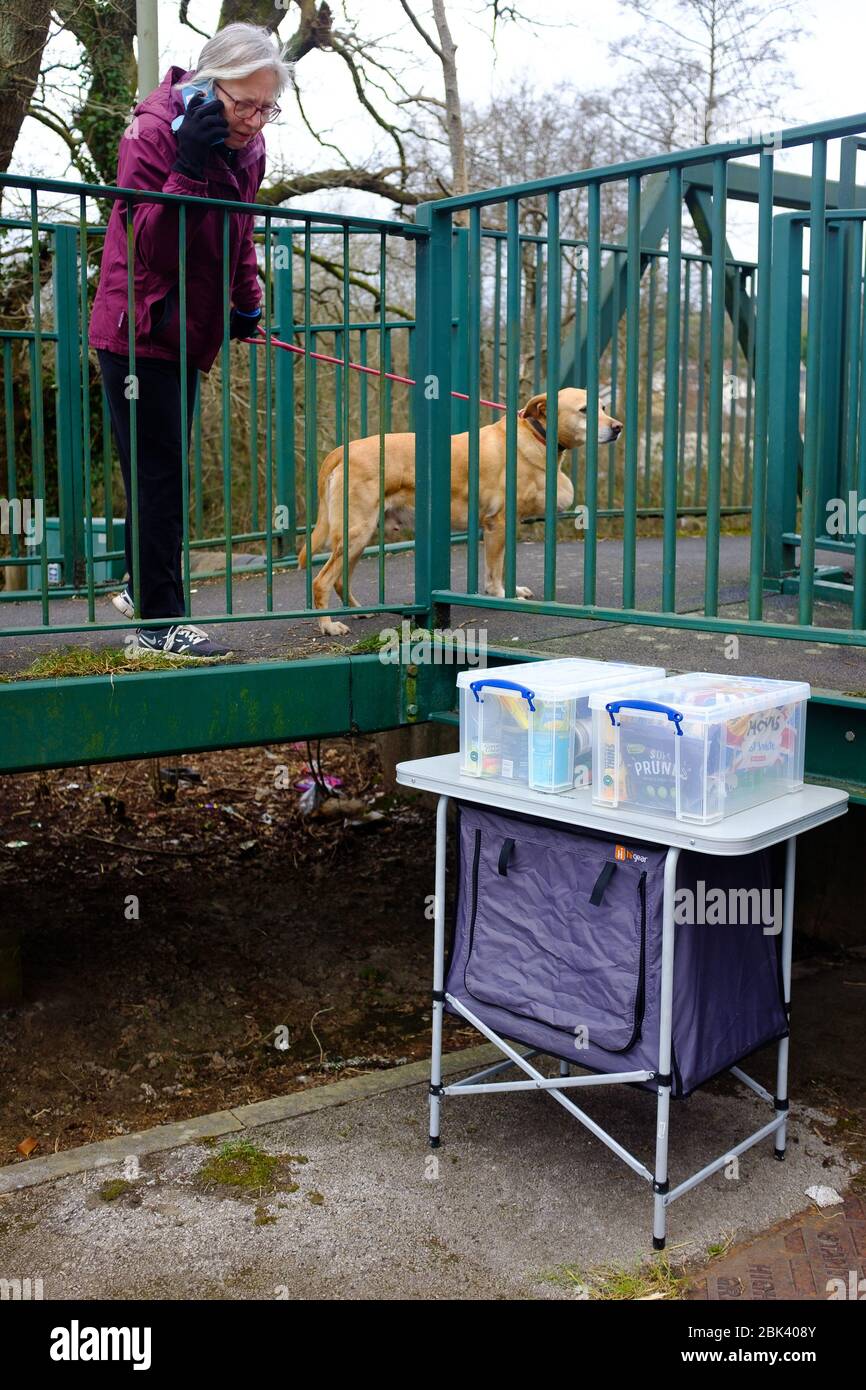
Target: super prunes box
(698, 746)
(530, 723)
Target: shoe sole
(177, 656)
(126, 609)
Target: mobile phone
(188, 91)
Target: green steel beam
(93, 719)
(789, 190)
(700, 205)
(614, 282)
(655, 209)
(836, 742)
(698, 158)
(64, 723)
(784, 441)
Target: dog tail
(322, 526)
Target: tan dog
(400, 490)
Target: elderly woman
(199, 133)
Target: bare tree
(700, 69)
(105, 85)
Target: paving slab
(819, 1254)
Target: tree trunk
(453, 110)
(23, 32)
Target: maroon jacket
(147, 151)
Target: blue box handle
(673, 715)
(524, 690)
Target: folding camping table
(781, 820)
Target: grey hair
(240, 49)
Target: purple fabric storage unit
(557, 944)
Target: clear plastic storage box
(698, 746)
(530, 722)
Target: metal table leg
(438, 969)
(660, 1181)
(781, 1097)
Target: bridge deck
(840, 668)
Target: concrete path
(519, 1202)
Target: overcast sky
(829, 67)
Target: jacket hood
(165, 102)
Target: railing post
(433, 410)
(460, 328)
(829, 481)
(813, 426)
(850, 327)
(70, 480)
(763, 303)
(784, 444)
(671, 402)
(284, 491)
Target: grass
(108, 661)
(114, 1188)
(654, 1279)
(240, 1164)
(371, 644)
(720, 1247)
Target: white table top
(743, 833)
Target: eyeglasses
(245, 110)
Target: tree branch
(297, 185)
(423, 32)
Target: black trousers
(160, 462)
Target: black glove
(204, 124)
(243, 322)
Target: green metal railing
(820, 431)
(571, 265)
(741, 328)
(230, 472)
(695, 350)
(277, 446)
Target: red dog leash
(262, 340)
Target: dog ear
(536, 405)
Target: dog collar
(534, 424)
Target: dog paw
(522, 592)
(332, 629)
(495, 590)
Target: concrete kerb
(105, 1152)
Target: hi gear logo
(620, 852)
